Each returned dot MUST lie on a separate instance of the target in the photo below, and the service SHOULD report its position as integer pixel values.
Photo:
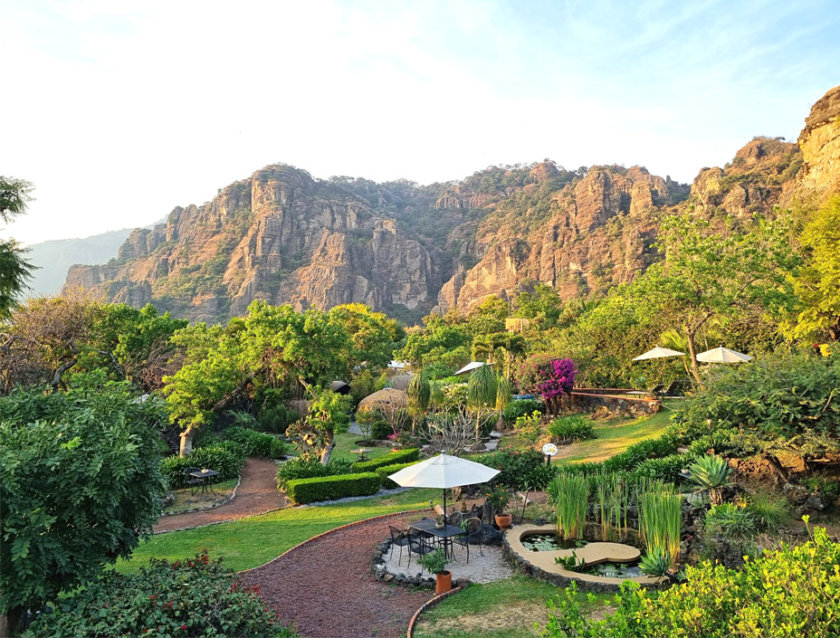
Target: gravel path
(325, 588)
(257, 494)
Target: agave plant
(656, 562)
(710, 472)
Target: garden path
(325, 588)
(257, 494)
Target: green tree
(326, 417)
(14, 269)
(817, 284)
(372, 334)
(80, 484)
(706, 275)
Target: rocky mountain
(285, 237)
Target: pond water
(549, 542)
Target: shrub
(392, 458)
(529, 427)
(520, 407)
(378, 425)
(185, 598)
(567, 429)
(769, 512)
(309, 467)
(272, 414)
(547, 376)
(731, 521)
(514, 467)
(649, 449)
(385, 471)
(216, 457)
(327, 488)
(667, 469)
(256, 443)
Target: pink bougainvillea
(547, 377)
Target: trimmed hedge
(217, 457)
(327, 488)
(383, 473)
(303, 467)
(392, 458)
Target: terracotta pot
(503, 520)
(443, 582)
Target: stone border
(377, 567)
(515, 552)
(330, 531)
(205, 508)
(428, 605)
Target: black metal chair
(399, 538)
(418, 544)
(473, 529)
(191, 480)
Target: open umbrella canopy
(658, 353)
(472, 365)
(723, 355)
(443, 471)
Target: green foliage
(575, 427)
(435, 562)
(731, 521)
(786, 593)
(656, 562)
(497, 497)
(613, 492)
(272, 414)
(515, 467)
(309, 467)
(639, 452)
(570, 496)
(529, 427)
(418, 394)
(769, 512)
(439, 343)
(15, 271)
(376, 421)
(256, 443)
(481, 388)
(326, 417)
(778, 403)
(186, 598)
(373, 335)
(667, 468)
(226, 461)
(521, 407)
(710, 473)
(328, 488)
(80, 483)
(392, 458)
(660, 519)
(387, 470)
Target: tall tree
(709, 275)
(14, 269)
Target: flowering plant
(547, 376)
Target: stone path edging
(204, 508)
(329, 531)
(428, 605)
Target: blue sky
(122, 110)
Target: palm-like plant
(418, 394)
(710, 472)
(481, 394)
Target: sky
(117, 112)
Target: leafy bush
(668, 468)
(731, 521)
(185, 598)
(567, 429)
(520, 407)
(256, 443)
(309, 467)
(786, 593)
(277, 418)
(327, 488)
(515, 468)
(392, 458)
(217, 457)
(547, 376)
(387, 470)
(649, 449)
(376, 421)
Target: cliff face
(285, 237)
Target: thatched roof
(386, 399)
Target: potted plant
(498, 499)
(436, 562)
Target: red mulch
(257, 494)
(325, 589)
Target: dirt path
(257, 494)
(325, 589)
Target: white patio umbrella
(443, 471)
(472, 365)
(658, 353)
(723, 355)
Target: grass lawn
(345, 443)
(185, 499)
(254, 541)
(616, 435)
(495, 610)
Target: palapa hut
(384, 400)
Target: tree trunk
(326, 452)
(186, 440)
(692, 356)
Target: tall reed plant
(660, 521)
(570, 496)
